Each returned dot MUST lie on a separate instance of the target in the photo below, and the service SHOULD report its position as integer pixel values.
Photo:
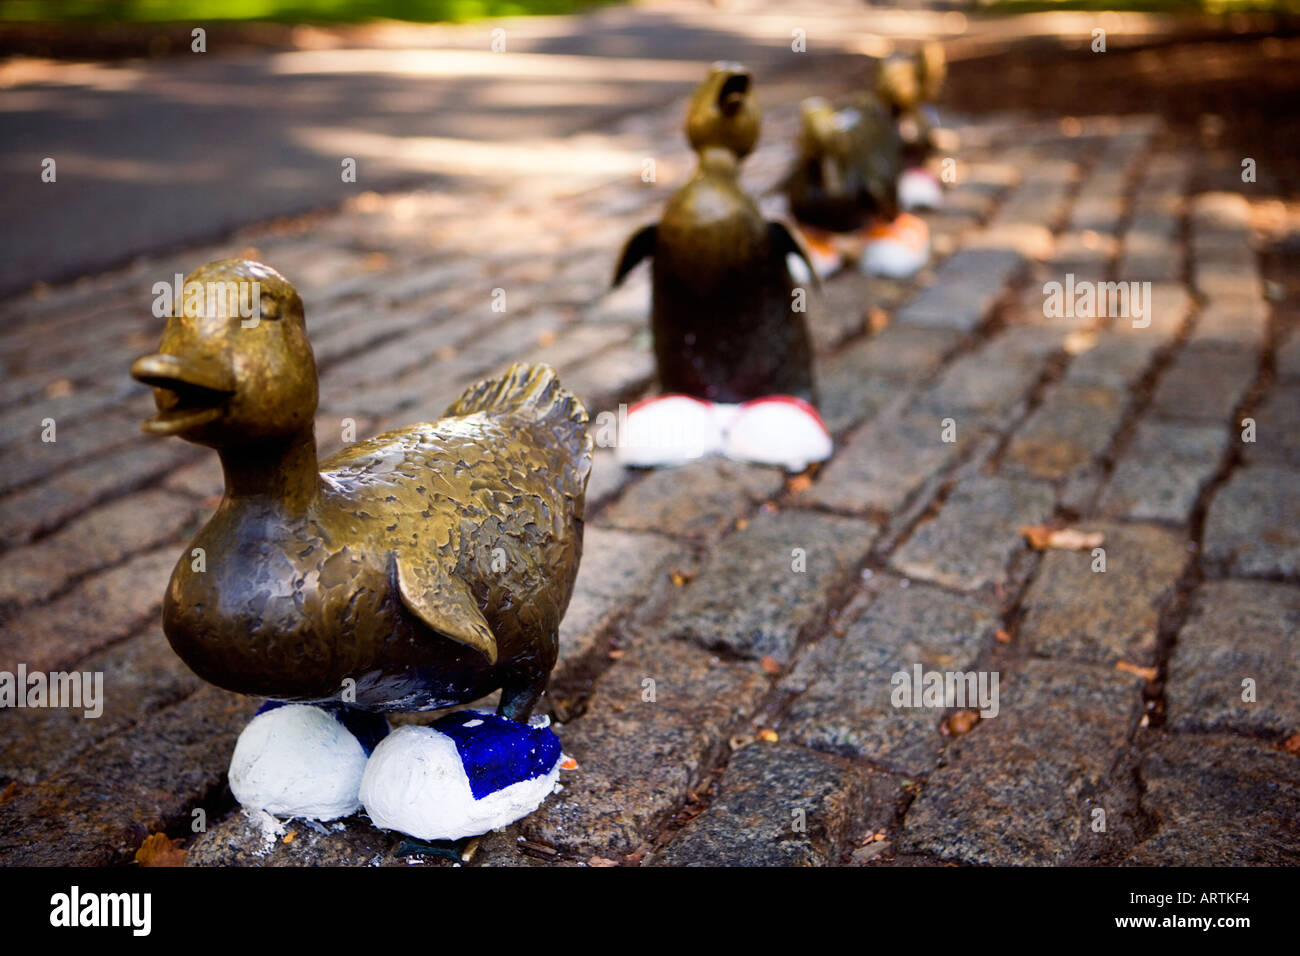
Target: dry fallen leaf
(601, 861)
(159, 850)
(289, 837)
(1148, 674)
(1080, 341)
(59, 387)
(1001, 636)
(959, 723)
(770, 665)
(877, 321)
(769, 735)
(616, 654)
(742, 524)
(681, 578)
(1041, 537)
(799, 483)
(9, 792)
(1292, 744)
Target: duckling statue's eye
(269, 308)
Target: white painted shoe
(297, 760)
(779, 430)
(918, 189)
(667, 430)
(896, 250)
(468, 773)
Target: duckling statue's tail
(533, 393)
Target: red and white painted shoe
(777, 430)
(823, 253)
(896, 250)
(918, 189)
(667, 430)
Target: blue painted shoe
(466, 774)
(304, 761)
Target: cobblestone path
(722, 706)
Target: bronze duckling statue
(847, 168)
(908, 84)
(425, 567)
(724, 320)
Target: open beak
(732, 93)
(188, 392)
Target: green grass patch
(287, 11)
(1143, 6)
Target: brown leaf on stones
(768, 735)
(681, 578)
(956, 724)
(1001, 636)
(877, 321)
(799, 483)
(1291, 745)
(59, 388)
(1040, 537)
(770, 665)
(9, 792)
(159, 850)
(1148, 674)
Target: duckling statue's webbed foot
(467, 773)
(781, 430)
(304, 761)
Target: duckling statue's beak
(189, 391)
(724, 112)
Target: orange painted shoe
(896, 250)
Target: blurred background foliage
(287, 11)
(345, 11)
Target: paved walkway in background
(154, 154)
(1122, 734)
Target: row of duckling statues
(728, 303)
(430, 566)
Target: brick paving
(722, 704)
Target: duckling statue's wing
(641, 245)
(445, 604)
(785, 244)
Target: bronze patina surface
(725, 327)
(848, 165)
(425, 567)
(906, 84)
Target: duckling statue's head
(724, 112)
(898, 82)
(234, 367)
(821, 130)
